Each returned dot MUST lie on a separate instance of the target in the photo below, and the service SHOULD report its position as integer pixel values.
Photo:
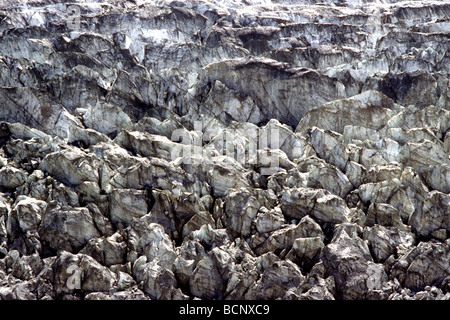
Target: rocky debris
(65, 228)
(385, 241)
(423, 154)
(145, 144)
(433, 216)
(321, 175)
(29, 212)
(224, 150)
(108, 251)
(438, 177)
(126, 204)
(369, 110)
(71, 166)
(149, 240)
(81, 272)
(284, 238)
(240, 208)
(306, 251)
(156, 281)
(279, 280)
(384, 214)
(11, 177)
(430, 293)
(106, 119)
(418, 268)
(350, 262)
(318, 203)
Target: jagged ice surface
(125, 138)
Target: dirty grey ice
(345, 101)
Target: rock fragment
(224, 150)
